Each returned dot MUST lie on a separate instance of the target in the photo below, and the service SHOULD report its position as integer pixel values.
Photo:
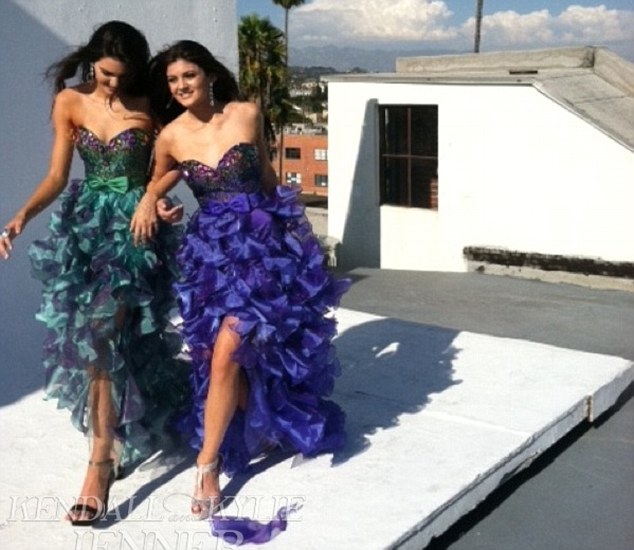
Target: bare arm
(165, 176)
(55, 179)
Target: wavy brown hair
(225, 86)
(115, 39)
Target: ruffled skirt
(105, 304)
(256, 259)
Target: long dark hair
(225, 86)
(115, 39)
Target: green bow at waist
(120, 184)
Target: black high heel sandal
(92, 513)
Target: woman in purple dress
(254, 294)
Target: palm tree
(287, 5)
(262, 69)
(478, 25)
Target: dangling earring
(91, 72)
(212, 97)
(169, 103)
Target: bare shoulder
(170, 132)
(244, 109)
(65, 112)
(166, 135)
(74, 94)
(68, 98)
(177, 126)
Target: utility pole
(478, 26)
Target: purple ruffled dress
(254, 257)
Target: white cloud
(513, 28)
(429, 23)
(575, 25)
(595, 24)
(372, 20)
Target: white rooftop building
(520, 158)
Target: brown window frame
(408, 167)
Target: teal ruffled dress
(92, 271)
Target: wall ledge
(584, 271)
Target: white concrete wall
(516, 170)
(34, 34)
(353, 174)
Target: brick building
(305, 163)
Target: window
(292, 153)
(321, 180)
(293, 178)
(408, 155)
(321, 154)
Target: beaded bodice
(125, 155)
(238, 171)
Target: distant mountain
(351, 59)
(345, 59)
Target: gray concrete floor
(579, 494)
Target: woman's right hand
(53, 184)
(10, 232)
(144, 221)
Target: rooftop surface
(443, 374)
(578, 495)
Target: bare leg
(227, 391)
(93, 491)
(102, 421)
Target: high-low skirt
(255, 258)
(92, 275)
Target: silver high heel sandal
(208, 505)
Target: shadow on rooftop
(389, 368)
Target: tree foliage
(288, 4)
(262, 67)
(261, 53)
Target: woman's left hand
(144, 221)
(168, 211)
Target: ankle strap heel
(84, 514)
(203, 507)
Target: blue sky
(449, 24)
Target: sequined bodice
(238, 171)
(126, 154)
